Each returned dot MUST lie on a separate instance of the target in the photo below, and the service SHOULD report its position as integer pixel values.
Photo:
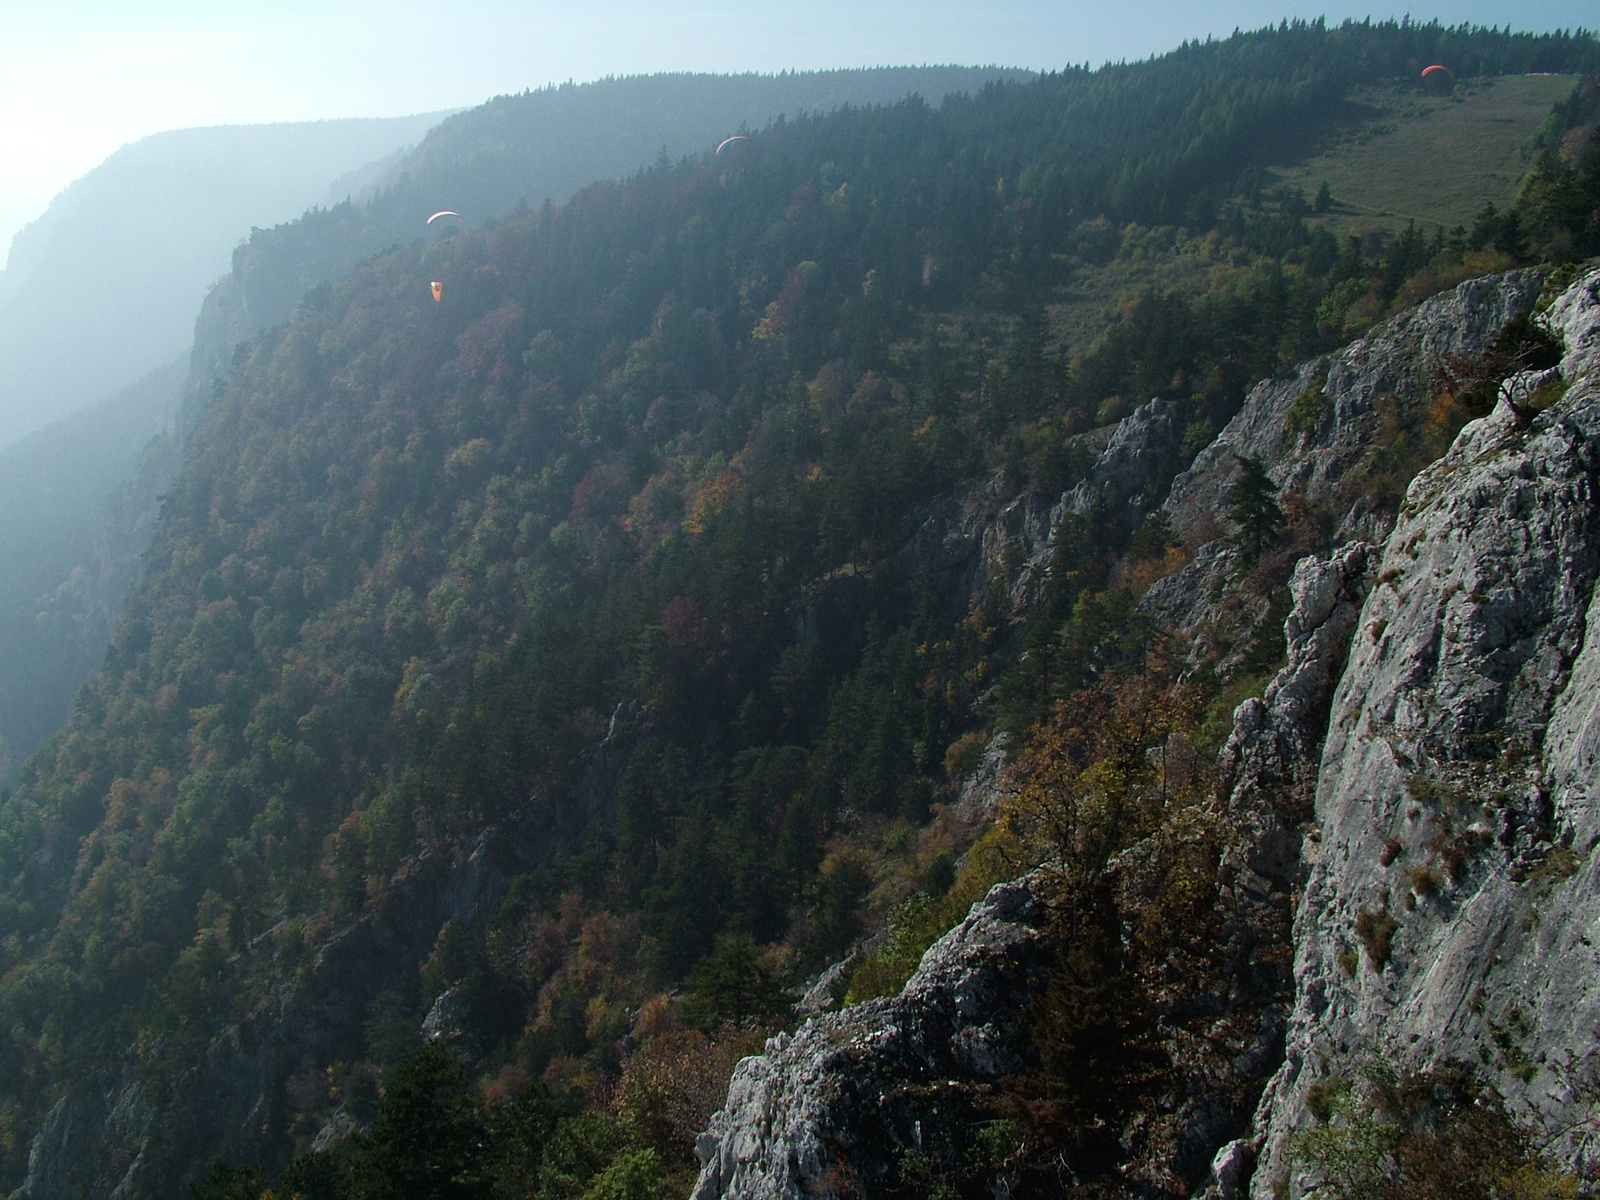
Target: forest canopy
(588, 584)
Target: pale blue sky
(78, 78)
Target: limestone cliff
(839, 1105)
(1325, 432)
(1413, 789)
(1450, 903)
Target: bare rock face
(1267, 769)
(992, 537)
(1318, 432)
(1576, 313)
(834, 1107)
(1453, 892)
(1269, 764)
(1313, 426)
(1133, 472)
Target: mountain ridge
(537, 671)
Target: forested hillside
(58, 489)
(125, 255)
(554, 666)
(538, 147)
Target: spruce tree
(1253, 507)
(428, 1140)
(738, 983)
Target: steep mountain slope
(537, 147)
(1451, 892)
(103, 288)
(122, 262)
(557, 670)
(796, 1118)
(58, 489)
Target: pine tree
(738, 983)
(1253, 507)
(428, 1140)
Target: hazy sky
(79, 78)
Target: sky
(80, 78)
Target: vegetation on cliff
(589, 575)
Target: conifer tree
(738, 983)
(428, 1140)
(1253, 507)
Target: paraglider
(438, 290)
(738, 137)
(445, 212)
(1438, 79)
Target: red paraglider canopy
(1426, 71)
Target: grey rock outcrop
(1132, 474)
(1452, 889)
(851, 1091)
(1267, 768)
(993, 538)
(1337, 403)
(1320, 433)
(1576, 314)
(95, 1143)
(983, 791)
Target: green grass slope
(1435, 160)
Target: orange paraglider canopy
(438, 290)
(1427, 71)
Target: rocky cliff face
(1323, 432)
(841, 1105)
(1317, 425)
(852, 1094)
(1413, 791)
(995, 538)
(1450, 903)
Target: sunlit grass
(1433, 159)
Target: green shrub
(1310, 409)
(635, 1175)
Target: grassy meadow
(1432, 159)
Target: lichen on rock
(1454, 794)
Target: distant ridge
(532, 147)
(120, 260)
(129, 289)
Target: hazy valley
(1000, 635)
